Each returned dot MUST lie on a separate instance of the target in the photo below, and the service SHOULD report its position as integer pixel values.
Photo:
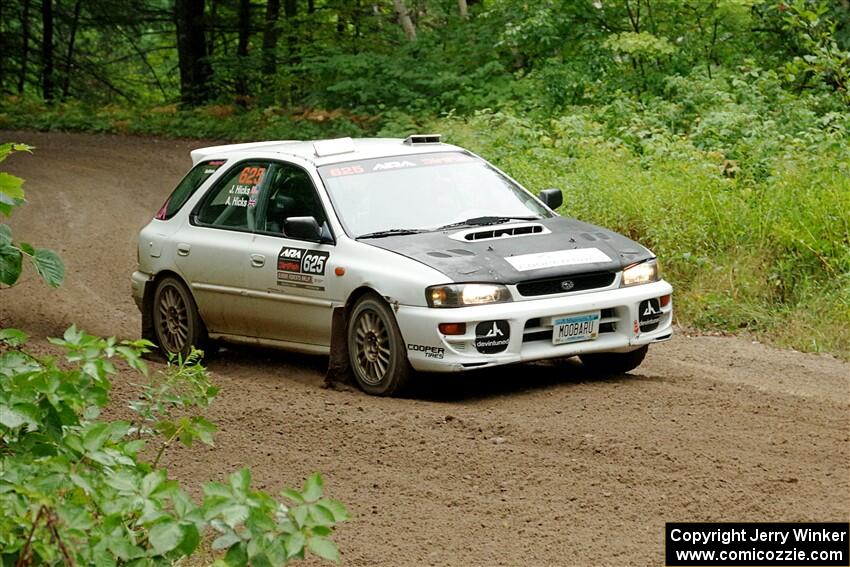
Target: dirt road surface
(531, 465)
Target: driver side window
(233, 203)
(290, 194)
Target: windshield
(423, 192)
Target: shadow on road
(507, 381)
(268, 364)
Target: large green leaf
(324, 548)
(9, 147)
(313, 487)
(5, 235)
(12, 337)
(49, 266)
(10, 264)
(165, 536)
(11, 191)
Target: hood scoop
(499, 232)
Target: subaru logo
(567, 285)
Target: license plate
(575, 328)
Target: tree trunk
(463, 9)
(69, 56)
(3, 48)
(213, 22)
(195, 70)
(242, 90)
(47, 49)
(25, 46)
(270, 40)
(404, 20)
(290, 10)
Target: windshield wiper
(392, 232)
(484, 221)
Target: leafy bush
(76, 489)
(46, 263)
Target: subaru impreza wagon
(391, 256)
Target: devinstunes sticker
(492, 336)
(649, 314)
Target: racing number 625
(314, 264)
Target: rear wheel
(176, 323)
(376, 348)
(610, 363)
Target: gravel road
(531, 465)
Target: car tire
(177, 325)
(376, 350)
(613, 363)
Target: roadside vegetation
(715, 132)
(79, 489)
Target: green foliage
(76, 489)
(811, 26)
(45, 262)
(746, 205)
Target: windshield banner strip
(398, 162)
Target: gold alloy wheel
(173, 320)
(372, 347)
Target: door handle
(183, 249)
(258, 260)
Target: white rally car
(391, 256)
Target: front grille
(581, 282)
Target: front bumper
(531, 327)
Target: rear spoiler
(215, 151)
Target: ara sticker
(392, 165)
(299, 267)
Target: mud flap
(147, 325)
(339, 370)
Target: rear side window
(187, 187)
(232, 203)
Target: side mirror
(302, 228)
(552, 198)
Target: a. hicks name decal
(244, 192)
(300, 267)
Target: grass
(769, 257)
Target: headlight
(645, 272)
(460, 295)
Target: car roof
(323, 152)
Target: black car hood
(486, 259)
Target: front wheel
(376, 348)
(612, 363)
(176, 322)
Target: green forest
(714, 131)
